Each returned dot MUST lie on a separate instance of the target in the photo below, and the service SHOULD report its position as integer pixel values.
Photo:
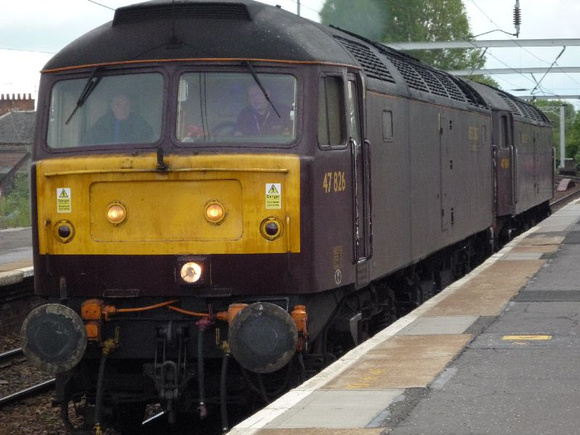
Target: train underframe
(342, 319)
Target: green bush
(15, 207)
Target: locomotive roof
(249, 30)
(194, 29)
(500, 100)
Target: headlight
(116, 213)
(191, 272)
(215, 212)
(64, 231)
(271, 228)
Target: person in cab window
(120, 125)
(260, 118)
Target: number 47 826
(334, 182)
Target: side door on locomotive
(361, 178)
(504, 152)
(342, 216)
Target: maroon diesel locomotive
(225, 181)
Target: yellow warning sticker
(63, 200)
(273, 195)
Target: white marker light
(116, 213)
(215, 212)
(191, 272)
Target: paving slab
(401, 362)
(17, 264)
(562, 220)
(488, 292)
(544, 249)
(439, 325)
(316, 431)
(337, 409)
(522, 256)
(560, 273)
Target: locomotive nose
(54, 338)
(263, 337)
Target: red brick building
(16, 103)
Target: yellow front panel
(165, 210)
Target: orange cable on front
(150, 307)
(189, 313)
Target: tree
(573, 140)
(15, 207)
(551, 109)
(410, 20)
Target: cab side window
(354, 112)
(330, 110)
(504, 141)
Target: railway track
(35, 390)
(11, 356)
(16, 356)
(562, 198)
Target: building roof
(17, 128)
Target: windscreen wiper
(90, 86)
(261, 86)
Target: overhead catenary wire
(517, 23)
(546, 73)
(100, 4)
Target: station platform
(497, 352)
(15, 255)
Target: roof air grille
(410, 74)
(432, 82)
(369, 61)
(526, 111)
(454, 92)
(426, 79)
(530, 111)
(471, 94)
(514, 109)
(212, 11)
(540, 114)
(521, 108)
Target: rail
(27, 392)
(6, 359)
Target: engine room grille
(524, 109)
(471, 94)
(530, 111)
(514, 109)
(140, 13)
(451, 87)
(369, 61)
(410, 75)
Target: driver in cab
(262, 117)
